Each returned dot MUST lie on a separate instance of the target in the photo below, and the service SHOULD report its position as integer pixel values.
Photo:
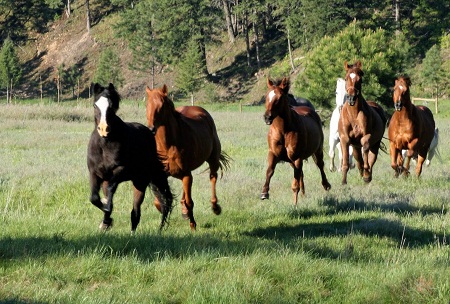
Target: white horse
(431, 151)
(334, 134)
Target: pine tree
(108, 69)
(190, 68)
(10, 70)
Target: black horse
(119, 151)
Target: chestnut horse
(120, 151)
(295, 134)
(186, 137)
(361, 124)
(411, 127)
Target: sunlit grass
(385, 242)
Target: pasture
(383, 242)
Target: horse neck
(286, 113)
(169, 129)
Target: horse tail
(161, 189)
(224, 161)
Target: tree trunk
(7, 93)
(68, 9)
(247, 39)
(226, 12)
(192, 99)
(290, 51)
(255, 30)
(88, 17)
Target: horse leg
(420, 160)
(396, 159)
(351, 164)
(333, 143)
(345, 157)
(272, 163)
(297, 182)
(109, 189)
(96, 183)
(318, 159)
(188, 202)
(357, 155)
(367, 173)
(214, 204)
(138, 198)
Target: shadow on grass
(153, 246)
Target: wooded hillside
(218, 50)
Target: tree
(189, 72)
(383, 57)
(10, 69)
(108, 69)
(432, 75)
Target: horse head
(353, 81)
(276, 99)
(106, 104)
(401, 92)
(158, 103)
(340, 92)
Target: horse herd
(178, 140)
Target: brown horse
(411, 127)
(295, 134)
(186, 137)
(361, 124)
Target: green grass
(385, 242)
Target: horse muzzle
(103, 129)
(268, 119)
(398, 106)
(350, 99)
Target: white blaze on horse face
(102, 104)
(271, 95)
(352, 76)
(401, 87)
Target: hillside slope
(69, 44)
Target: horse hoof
(217, 209)
(264, 196)
(184, 216)
(193, 226)
(327, 186)
(105, 226)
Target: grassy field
(383, 242)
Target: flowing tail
(163, 193)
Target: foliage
(431, 73)
(189, 70)
(383, 57)
(108, 69)
(10, 68)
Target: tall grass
(385, 242)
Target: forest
(308, 40)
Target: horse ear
(111, 87)
(269, 83)
(346, 65)
(147, 89)
(408, 81)
(358, 64)
(97, 88)
(285, 84)
(164, 89)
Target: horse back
(427, 124)
(310, 134)
(197, 137)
